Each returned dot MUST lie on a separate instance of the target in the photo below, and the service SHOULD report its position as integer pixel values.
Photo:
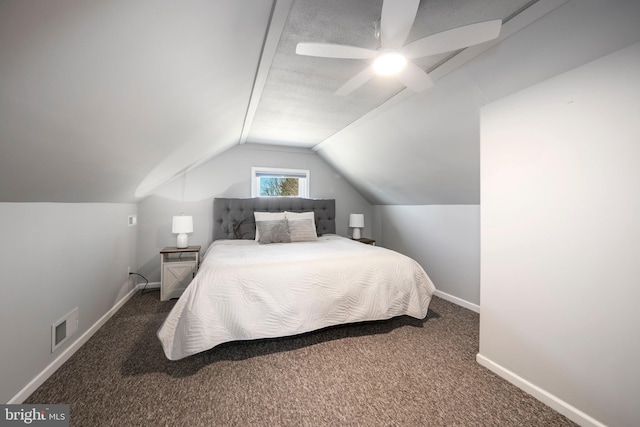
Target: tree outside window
(273, 182)
(278, 186)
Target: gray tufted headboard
(233, 218)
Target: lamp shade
(356, 220)
(182, 224)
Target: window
(274, 182)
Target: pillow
(303, 215)
(266, 216)
(302, 230)
(276, 231)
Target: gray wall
(55, 257)
(425, 150)
(561, 239)
(229, 175)
(403, 151)
(444, 239)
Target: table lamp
(356, 221)
(182, 225)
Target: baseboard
(27, 390)
(574, 414)
(458, 301)
(150, 285)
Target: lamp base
(182, 241)
(356, 233)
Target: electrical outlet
(128, 271)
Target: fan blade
(356, 81)
(454, 39)
(326, 50)
(415, 78)
(396, 21)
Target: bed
(247, 289)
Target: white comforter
(245, 290)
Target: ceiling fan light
(389, 63)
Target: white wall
(425, 149)
(444, 239)
(560, 224)
(229, 175)
(55, 257)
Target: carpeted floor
(402, 372)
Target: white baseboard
(458, 301)
(574, 414)
(150, 285)
(69, 351)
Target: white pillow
(266, 216)
(295, 216)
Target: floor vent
(64, 329)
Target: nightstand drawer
(178, 267)
(175, 277)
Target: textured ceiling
(105, 101)
(298, 105)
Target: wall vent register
(64, 329)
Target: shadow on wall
(237, 189)
(151, 271)
(398, 243)
(155, 216)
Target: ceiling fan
(393, 57)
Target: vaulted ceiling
(298, 105)
(98, 98)
(104, 101)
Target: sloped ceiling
(298, 105)
(100, 99)
(105, 101)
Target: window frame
(302, 174)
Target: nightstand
(177, 268)
(366, 241)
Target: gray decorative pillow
(266, 216)
(276, 231)
(302, 230)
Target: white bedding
(245, 290)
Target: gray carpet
(402, 372)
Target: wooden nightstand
(177, 268)
(366, 241)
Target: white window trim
(257, 170)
